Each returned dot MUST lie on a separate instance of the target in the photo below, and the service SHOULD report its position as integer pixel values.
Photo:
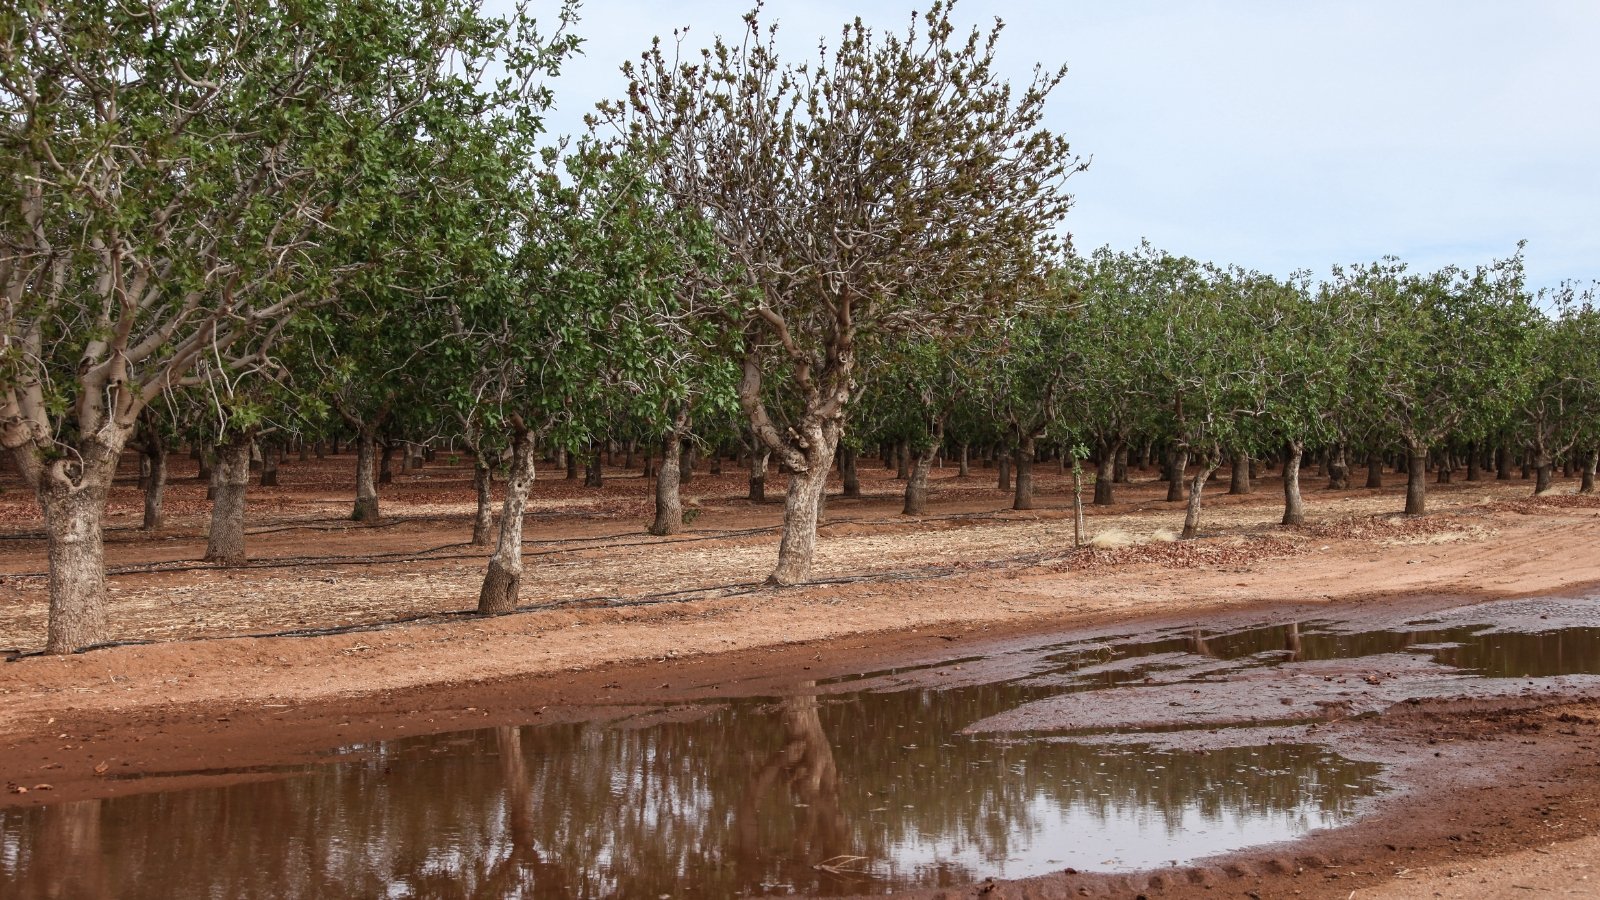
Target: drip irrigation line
(432, 554)
(402, 556)
(680, 595)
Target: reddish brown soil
(204, 694)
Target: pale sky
(1274, 134)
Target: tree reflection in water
(745, 799)
(752, 796)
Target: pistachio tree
(1561, 403)
(1303, 355)
(1108, 378)
(896, 182)
(1206, 369)
(1441, 349)
(174, 182)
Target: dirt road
(372, 640)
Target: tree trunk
(269, 465)
(690, 456)
(504, 577)
(571, 462)
(1179, 466)
(902, 460)
(74, 512)
(156, 485)
(1294, 508)
(386, 463)
(964, 465)
(1542, 467)
(1374, 469)
(1589, 465)
(847, 473)
(1023, 498)
(1338, 468)
(759, 459)
(669, 503)
(1003, 464)
(1078, 528)
(1191, 515)
(802, 506)
(916, 503)
(232, 481)
(1417, 480)
(1239, 480)
(1105, 465)
(1473, 462)
(366, 487)
(1119, 470)
(204, 472)
(649, 470)
(305, 451)
(593, 474)
(483, 519)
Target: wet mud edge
(1471, 778)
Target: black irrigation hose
(401, 556)
(429, 554)
(681, 595)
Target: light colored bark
(503, 579)
(1294, 508)
(801, 508)
(1417, 480)
(73, 517)
(1191, 516)
(225, 543)
(366, 508)
(916, 499)
(483, 518)
(669, 501)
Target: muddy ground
(267, 665)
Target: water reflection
(854, 794)
(860, 785)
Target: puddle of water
(861, 785)
(864, 793)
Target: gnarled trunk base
(504, 577)
(232, 480)
(1294, 508)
